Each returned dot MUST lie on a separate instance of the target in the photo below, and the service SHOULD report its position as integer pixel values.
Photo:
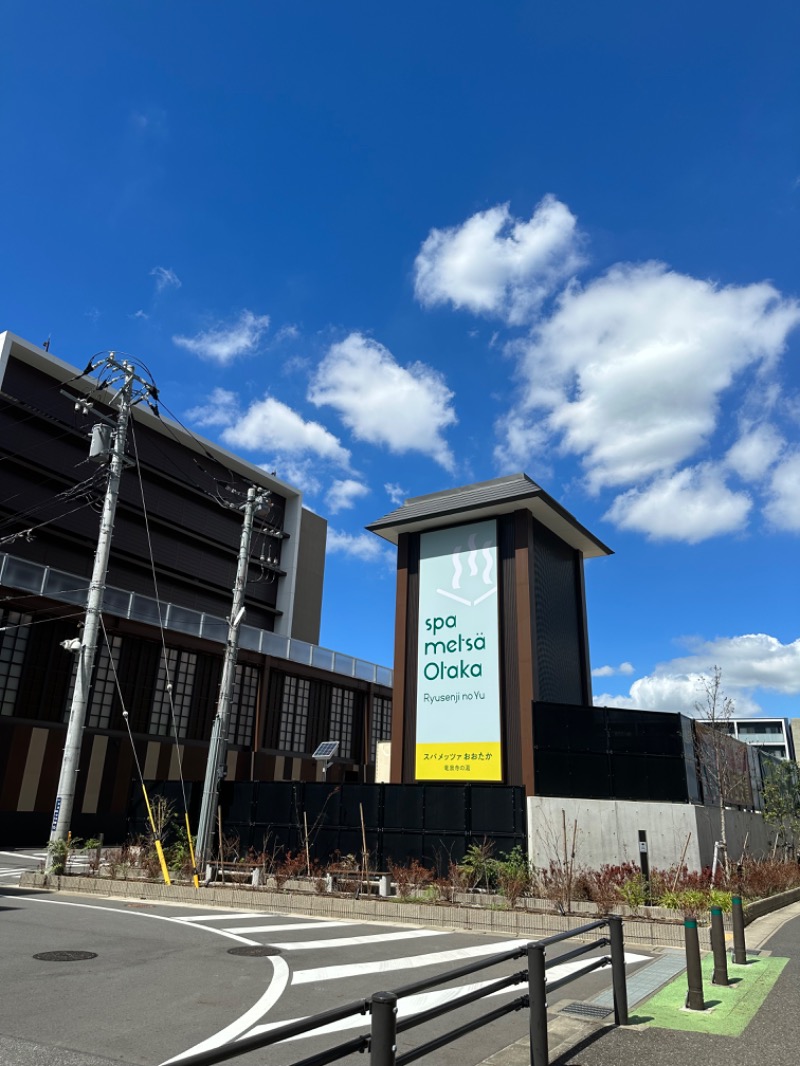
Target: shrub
(602, 887)
(411, 878)
(633, 891)
(513, 874)
(479, 866)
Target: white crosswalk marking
(357, 941)
(289, 925)
(411, 962)
(222, 916)
(411, 1005)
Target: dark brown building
(172, 569)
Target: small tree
(781, 797)
(723, 760)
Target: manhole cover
(587, 1010)
(254, 951)
(65, 956)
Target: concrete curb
(517, 923)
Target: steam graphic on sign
(487, 576)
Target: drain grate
(65, 956)
(254, 951)
(587, 1010)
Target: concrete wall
(608, 831)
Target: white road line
(139, 914)
(290, 925)
(222, 917)
(20, 857)
(411, 962)
(13, 873)
(277, 986)
(405, 1008)
(357, 941)
(411, 1005)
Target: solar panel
(326, 750)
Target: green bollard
(739, 947)
(718, 947)
(694, 975)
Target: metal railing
(68, 588)
(381, 1041)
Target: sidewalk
(751, 1029)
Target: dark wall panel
(559, 620)
(611, 753)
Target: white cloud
(285, 333)
(497, 264)
(221, 409)
(343, 494)
(612, 671)
(748, 662)
(383, 403)
(783, 508)
(522, 444)
(166, 278)
(302, 474)
(690, 505)
(226, 341)
(396, 493)
(364, 546)
(676, 694)
(139, 314)
(756, 450)
(268, 423)
(629, 374)
(631, 368)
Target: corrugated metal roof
(484, 499)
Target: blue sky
(388, 249)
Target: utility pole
(131, 389)
(218, 747)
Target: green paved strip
(728, 1009)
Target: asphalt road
(163, 983)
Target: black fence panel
(432, 823)
(612, 753)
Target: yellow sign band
(459, 762)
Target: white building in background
(772, 735)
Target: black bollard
(383, 1034)
(718, 946)
(739, 947)
(694, 975)
(537, 1011)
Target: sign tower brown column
(491, 616)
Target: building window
(341, 720)
(178, 672)
(13, 641)
(381, 723)
(243, 704)
(294, 714)
(104, 686)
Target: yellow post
(159, 849)
(195, 878)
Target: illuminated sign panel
(458, 661)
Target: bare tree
(722, 759)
